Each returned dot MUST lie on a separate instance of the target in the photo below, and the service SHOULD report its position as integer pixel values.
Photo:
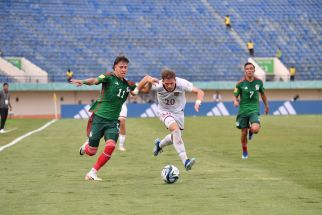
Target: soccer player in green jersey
(247, 119)
(106, 110)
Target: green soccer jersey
(249, 95)
(113, 94)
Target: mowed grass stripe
(46, 175)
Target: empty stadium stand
(187, 36)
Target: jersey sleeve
(104, 78)
(186, 85)
(237, 90)
(153, 87)
(156, 87)
(132, 85)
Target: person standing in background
(250, 47)
(292, 72)
(69, 75)
(227, 22)
(217, 97)
(4, 106)
(279, 53)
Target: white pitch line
(26, 135)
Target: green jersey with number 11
(249, 95)
(113, 94)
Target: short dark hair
(119, 59)
(248, 63)
(168, 74)
(5, 84)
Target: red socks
(244, 146)
(106, 155)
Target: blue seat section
(294, 26)
(86, 36)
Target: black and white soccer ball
(170, 174)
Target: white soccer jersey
(174, 101)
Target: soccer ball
(170, 174)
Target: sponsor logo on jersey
(176, 93)
(116, 83)
(246, 88)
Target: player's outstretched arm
(146, 83)
(88, 81)
(200, 95)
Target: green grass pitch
(44, 174)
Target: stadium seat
(189, 37)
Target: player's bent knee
(255, 128)
(109, 148)
(110, 143)
(90, 150)
(173, 126)
(171, 123)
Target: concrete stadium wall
(41, 104)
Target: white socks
(121, 140)
(166, 141)
(179, 145)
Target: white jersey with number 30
(175, 100)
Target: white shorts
(123, 113)
(168, 118)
